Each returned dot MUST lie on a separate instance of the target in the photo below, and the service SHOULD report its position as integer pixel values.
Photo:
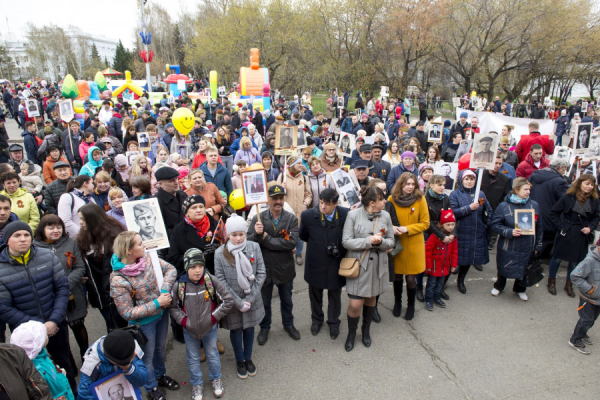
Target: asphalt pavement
(479, 347)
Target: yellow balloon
(236, 199)
(255, 167)
(183, 120)
(473, 93)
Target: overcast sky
(120, 16)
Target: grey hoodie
(587, 276)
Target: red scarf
(200, 226)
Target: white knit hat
(31, 337)
(235, 223)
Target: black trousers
(588, 313)
(334, 305)
(60, 351)
(518, 286)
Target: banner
(494, 122)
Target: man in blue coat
(322, 228)
(33, 286)
(117, 351)
(31, 146)
(215, 173)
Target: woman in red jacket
(440, 259)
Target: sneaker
(218, 390)
(250, 367)
(496, 292)
(580, 348)
(523, 296)
(429, 306)
(299, 258)
(440, 303)
(198, 392)
(156, 394)
(242, 372)
(587, 341)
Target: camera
(332, 250)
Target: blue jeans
(419, 279)
(285, 298)
(154, 350)
(555, 264)
(242, 341)
(228, 163)
(434, 288)
(192, 349)
(558, 141)
(299, 247)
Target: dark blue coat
(547, 187)
(321, 270)
(471, 231)
(221, 178)
(562, 125)
(31, 147)
(37, 291)
(514, 253)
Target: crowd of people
(67, 242)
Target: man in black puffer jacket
(548, 186)
(33, 286)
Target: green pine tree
(106, 64)
(95, 56)
(123, 60)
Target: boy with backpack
(200, 300)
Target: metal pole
(148, 81)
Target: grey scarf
(242, 266)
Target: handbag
(349, 266)
(534, 272)
(397, 249)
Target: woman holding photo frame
(575, 217)
(515, 247)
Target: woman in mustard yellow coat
(413, 216)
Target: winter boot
(397, 298)
(410, 310)
(569, 288)
(366, 325)
(376, 316)
(552, 286)
(420, 296)
(352, 325)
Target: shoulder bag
(350, 267)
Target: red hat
(447, 216)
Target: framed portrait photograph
(340, 102)
(286, 139)
(32, 108)
(456, 101)
(347, 143)
(222, 91)
(594, 145)
(385, 91)
(145, 218)
(131, 155)
(144, 141)
(183, 150)
(208, 93)
(254, 187)
(384, 113)
(349, 196)
(65, 109)
(115, 387)
(562, 153)
(525, 221)
(435, 132)
(582, 137)
(301, 139)
(584, 106)
(449, 171)
(358, 112)
(485, 146)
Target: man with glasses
(509, 157)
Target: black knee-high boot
(352, 326)
(376, 316)
(444, 295)
(366, 325)
(461, 278)
(397, 298)
(410, 309)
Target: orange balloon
(84, 90)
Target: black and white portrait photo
(562, 153)
(435, 132)
(131, 155)
(583, 136)
(285, 140)
(301, 138)
(351, 197)
(448, 171)
(32, 108)
(340, 102)
(183, 151)
(594, 147)
(340, 178)
(115, 387)
(485, 147)
(65, 109)
(145, 218)
(144, 141)
(346, 144)
(525, 221)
